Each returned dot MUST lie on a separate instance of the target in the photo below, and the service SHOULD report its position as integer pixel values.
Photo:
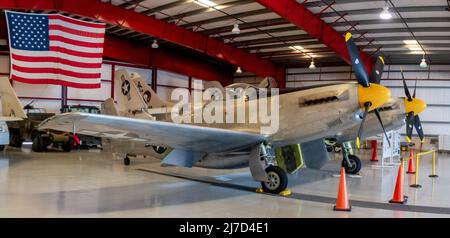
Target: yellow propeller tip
(348, 36)
(382, 59)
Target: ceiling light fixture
(312, 66)
(236, 29)
(205, 3)
(423, 64)
(414, 46)
(297, 48)
(239, 70)
(385, 14)
(155, 44)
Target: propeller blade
(419, 129)
(377, 71)
(377, 113)
(415, 87)
(409, 126)
(357, 63)
(408, 95)
(360, 131)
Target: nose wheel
(353, 166)
(277, 180)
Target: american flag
(55, 49)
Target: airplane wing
(180, 136)
(10, 118)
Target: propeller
(377, 71)
(413, 107)
(361, 127)
(371, 95)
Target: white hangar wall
(50, 96)
(433, 86)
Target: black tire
(278, 180)
(15, 140)
(355, 165)
(126, 161)
(38, 144)
(67, 147)
(2, 147)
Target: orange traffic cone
(342, 203)
(398, 196)
(411, 169)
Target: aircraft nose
(416, 105)
(375, 94)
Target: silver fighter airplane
(306, 114)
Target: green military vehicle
(25, 130)
(85, 141)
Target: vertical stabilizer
(129, 100)
(11, 106)
(148, 95)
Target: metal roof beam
(303, 18)
(263, 23)
(227, 17)
(203, 10)
(130, 3)
(164, 7)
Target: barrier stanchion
(416, 177)
(433, 166)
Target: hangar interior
(187, 43)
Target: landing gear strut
(350, 162)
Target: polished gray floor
(95, 184)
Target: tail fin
(147, 94)
(129, 100)
(268, 82)
(109, 108)
(11, 107)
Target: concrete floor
(93, 184)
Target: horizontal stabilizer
(183, 158)
(11, 119)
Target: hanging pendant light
(312, 66)
(236, 29)
(155, 44)
(386, 14)
(423, 64)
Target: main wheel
(278, 180)
(15, 140)
(355, 164)
(2, 147)
(67, 147)
(126, 161)
(38, 144)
